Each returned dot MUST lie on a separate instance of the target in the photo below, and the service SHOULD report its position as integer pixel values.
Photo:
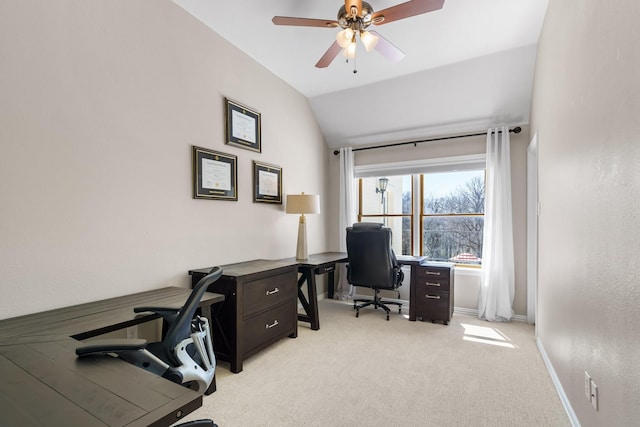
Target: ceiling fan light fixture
(369, 40)
(349, 52)
(344, 37)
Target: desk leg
(331, 284)
(311, 306)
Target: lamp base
(301, 251)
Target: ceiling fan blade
(329, 55)
(406, 10)
(304, 22)
(388, 49)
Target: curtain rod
(516, 129)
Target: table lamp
(302, 204)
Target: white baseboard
(556, 382)
(474, 312)
(457, 310)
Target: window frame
(417, 168)
(411, 216)
(422, 216)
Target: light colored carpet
(369, 372)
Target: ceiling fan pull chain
(355, 70)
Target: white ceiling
(468, 66)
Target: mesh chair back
(180, 329)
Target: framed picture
(242, 126)
(215, 175)
(267, 183)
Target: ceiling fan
(354, 18)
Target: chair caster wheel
(387, 317)
(357, 313)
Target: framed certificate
(267, 183)
(242, 126)
(215, 175)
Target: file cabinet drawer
(431, 284)
(433, 273)
(262, 294)
(266, 327)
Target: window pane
(455, 239)
(395, 199)
(453, 192)
(400, 232)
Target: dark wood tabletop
(44, 383)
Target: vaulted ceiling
(468, 66)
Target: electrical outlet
(594, 395)
(587, 385)
(132, 332)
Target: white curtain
(346, 218)
(497, 285)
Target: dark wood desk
(316, 264)
(44, 383)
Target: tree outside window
(451, 213)
(453, 216)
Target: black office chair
(185, 355)
(372, 263)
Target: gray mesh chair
(185, 355)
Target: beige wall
(101, 103)
(468, 282)
(586, 110)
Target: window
(445, 222)
(452, 216)
(388, 200)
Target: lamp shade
(303, 204)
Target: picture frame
(267, 183)
(215, 175)
(242, 126)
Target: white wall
(586, 110)
(467, 283)
(101, 103)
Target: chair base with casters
(185, 356)
(376, 302)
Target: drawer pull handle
(274, 291)
(433, 296)
(431, 284)
(275, 323)
(433, 273)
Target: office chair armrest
(168, 313)
(111, 346)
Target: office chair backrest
(371, 259)
(181, 327)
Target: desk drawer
(268, 292)
(432, 284)
(433, 305)
(433, 273)
(326, 268)
(269, 326)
